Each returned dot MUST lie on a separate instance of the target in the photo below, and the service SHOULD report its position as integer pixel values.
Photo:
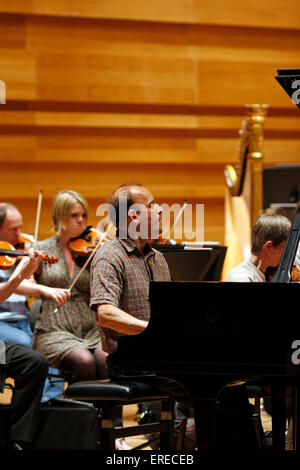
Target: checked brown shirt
(120, 276)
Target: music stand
(203, 264)
(281, 185)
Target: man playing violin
(14, 313)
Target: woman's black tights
(85, 364)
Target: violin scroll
(50, 261)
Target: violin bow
(167, 236)
(38, 213)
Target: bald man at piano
(122, 268)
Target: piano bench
(106, 395)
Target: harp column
(256, 116)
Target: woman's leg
(81, 364)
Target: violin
(85, 243)
(9, 256)
(24, 242)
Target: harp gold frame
(251, 158)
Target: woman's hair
(273, 227)
(62, 206)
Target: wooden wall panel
(103, 92)
(70, 60)
(267, 14)
(98, 180)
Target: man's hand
(25, 269)
(29, 264)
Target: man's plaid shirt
(120, 276)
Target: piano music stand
(281, 185)
(194, 265)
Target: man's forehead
(13, 215)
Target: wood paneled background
(100, 92)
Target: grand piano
(205, 335)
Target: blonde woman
(68, 336)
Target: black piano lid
(289, 79)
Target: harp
(244, 189)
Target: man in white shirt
(268, 238)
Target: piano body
(207, 334)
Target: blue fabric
(15, 306)
(53, 387)
(16, 332)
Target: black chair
(106, 395)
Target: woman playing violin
(68, 336)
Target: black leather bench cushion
(108, 390)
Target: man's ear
(268, 244)
(133, 216)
